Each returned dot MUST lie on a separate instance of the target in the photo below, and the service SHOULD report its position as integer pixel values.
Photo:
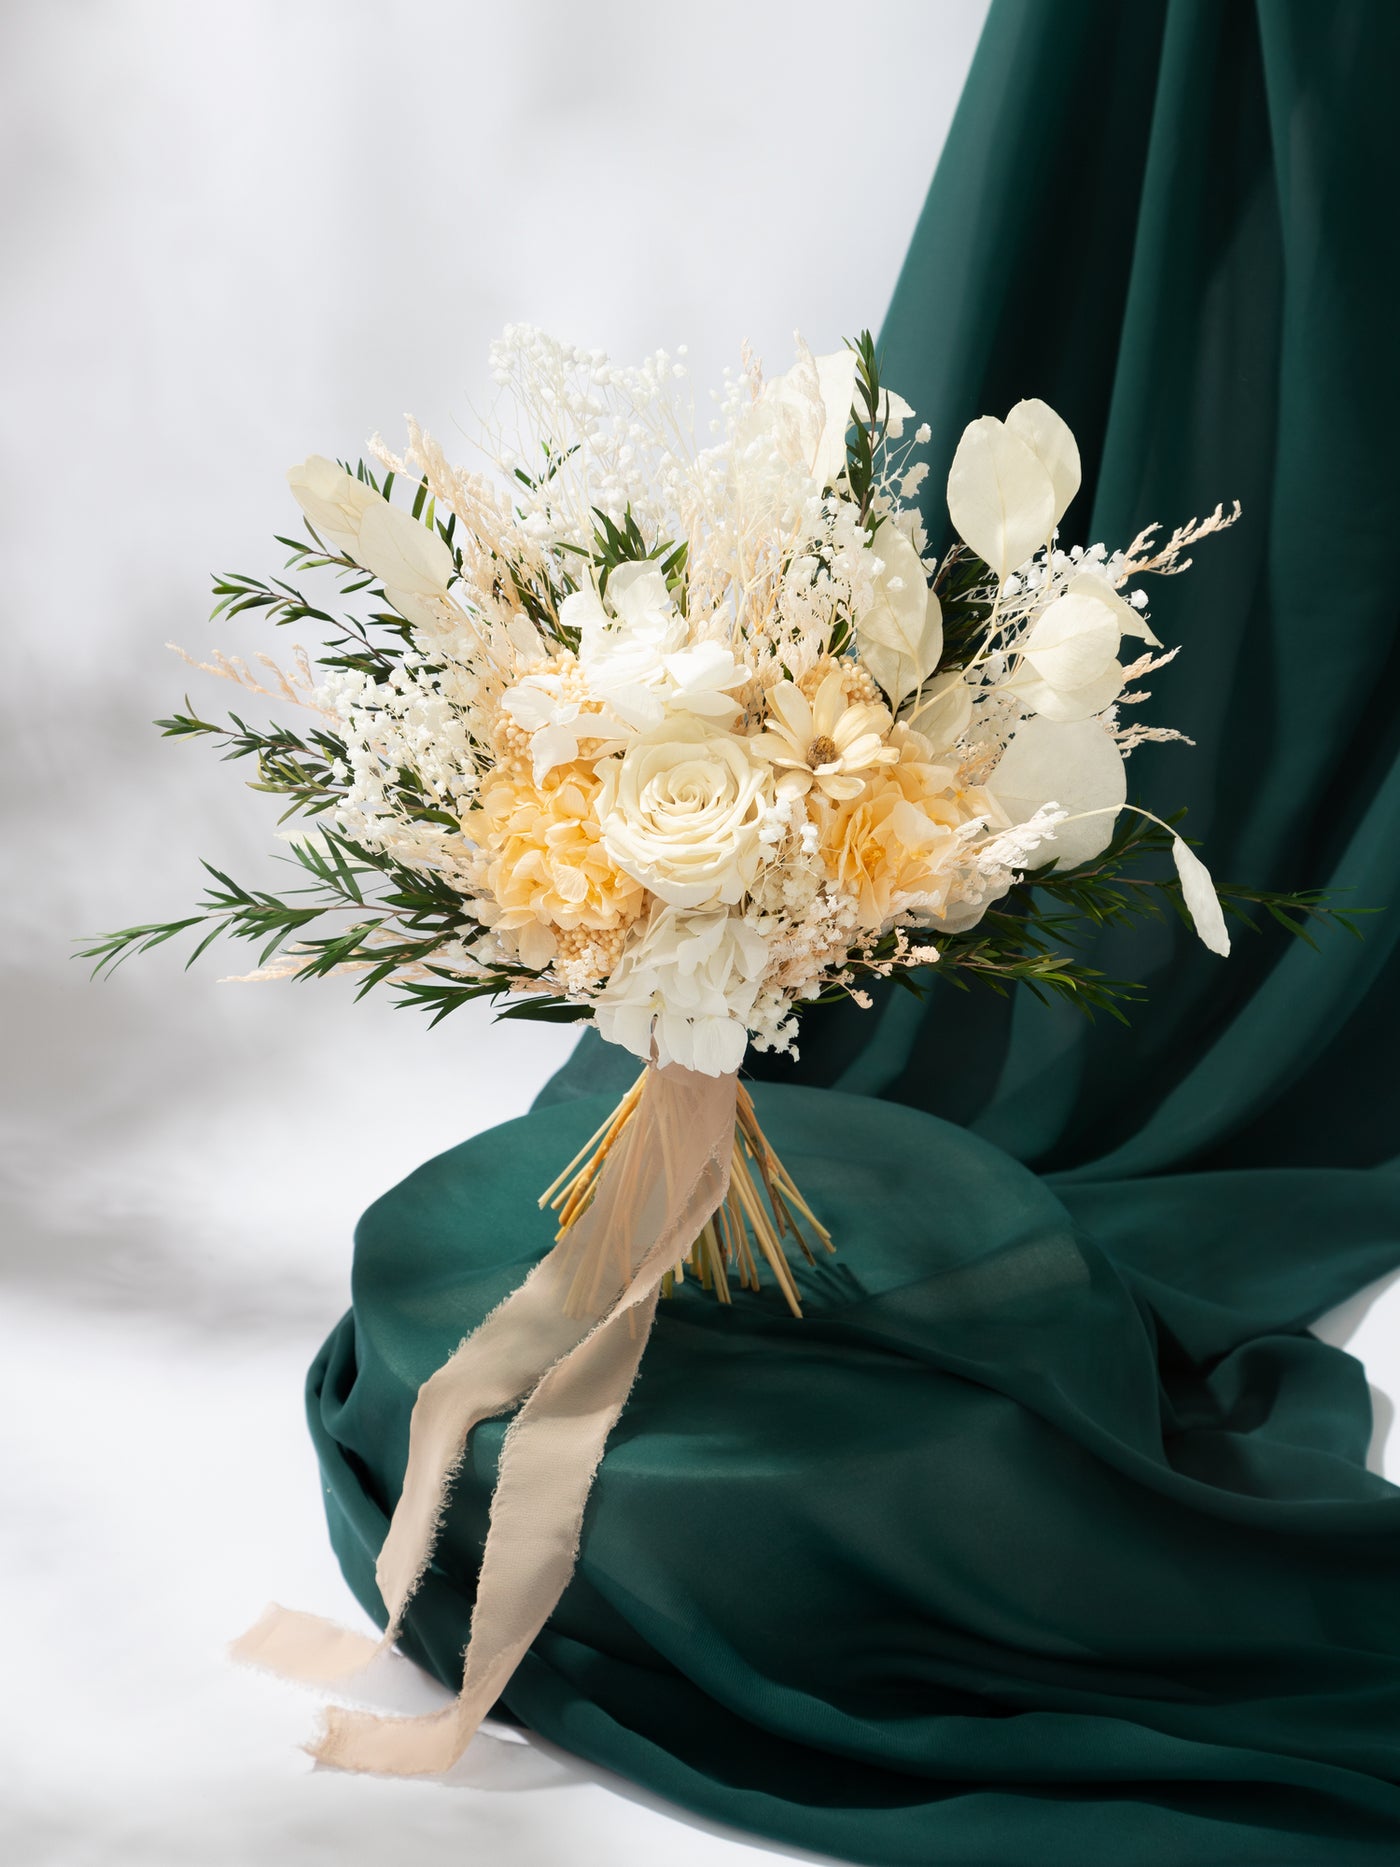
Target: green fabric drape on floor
(1048, 1535)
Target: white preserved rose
(681, 813)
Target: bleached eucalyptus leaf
(1202, 902)
(1130, 622)
(1048, 437)
(944, 709)
(900, 637)
(836, 378)
(1000, 497)
(401, 552)
(1074, 764)
(1074, 703)
(332, 499)
(1072, 642)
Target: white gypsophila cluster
(628, 434)
(417, 721)
(679, 723)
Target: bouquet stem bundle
(761, 1209)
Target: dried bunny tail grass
(1138, 670)
(299, 687)
(751, 368)
(1141, 559)
(476, 500)
(265, 975)
(1126, 738)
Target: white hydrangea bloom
(686, 987)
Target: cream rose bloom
(546, 866)
(681, 813)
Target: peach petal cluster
(900, 843)
(545, 864)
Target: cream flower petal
(777, 749)
(859, 723)
(533, 702)
(839, 785)
(794, 780)
(828, 704)
(866, 750)
(789, 703)
(535, 943)
(638, 594)
(583, 609)
(551, 746)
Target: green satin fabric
(1047, 1535)
(1176, 225)
(1028, 1543)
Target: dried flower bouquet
(678, 738)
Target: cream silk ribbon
(664, 1178)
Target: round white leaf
(1074, 764)
(1071, 703)
(1073, 642)
(1000, 497)
(1049, 438)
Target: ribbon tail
(548, 1462)
(304, 1647)
(667, 1177)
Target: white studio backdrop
(237, 235)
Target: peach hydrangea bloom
(546, 867)
(899, 844)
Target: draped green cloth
(1048, 1535)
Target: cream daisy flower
(824, 742)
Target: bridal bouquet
(679, 734)
(680, 737)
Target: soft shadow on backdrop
(238, 236)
